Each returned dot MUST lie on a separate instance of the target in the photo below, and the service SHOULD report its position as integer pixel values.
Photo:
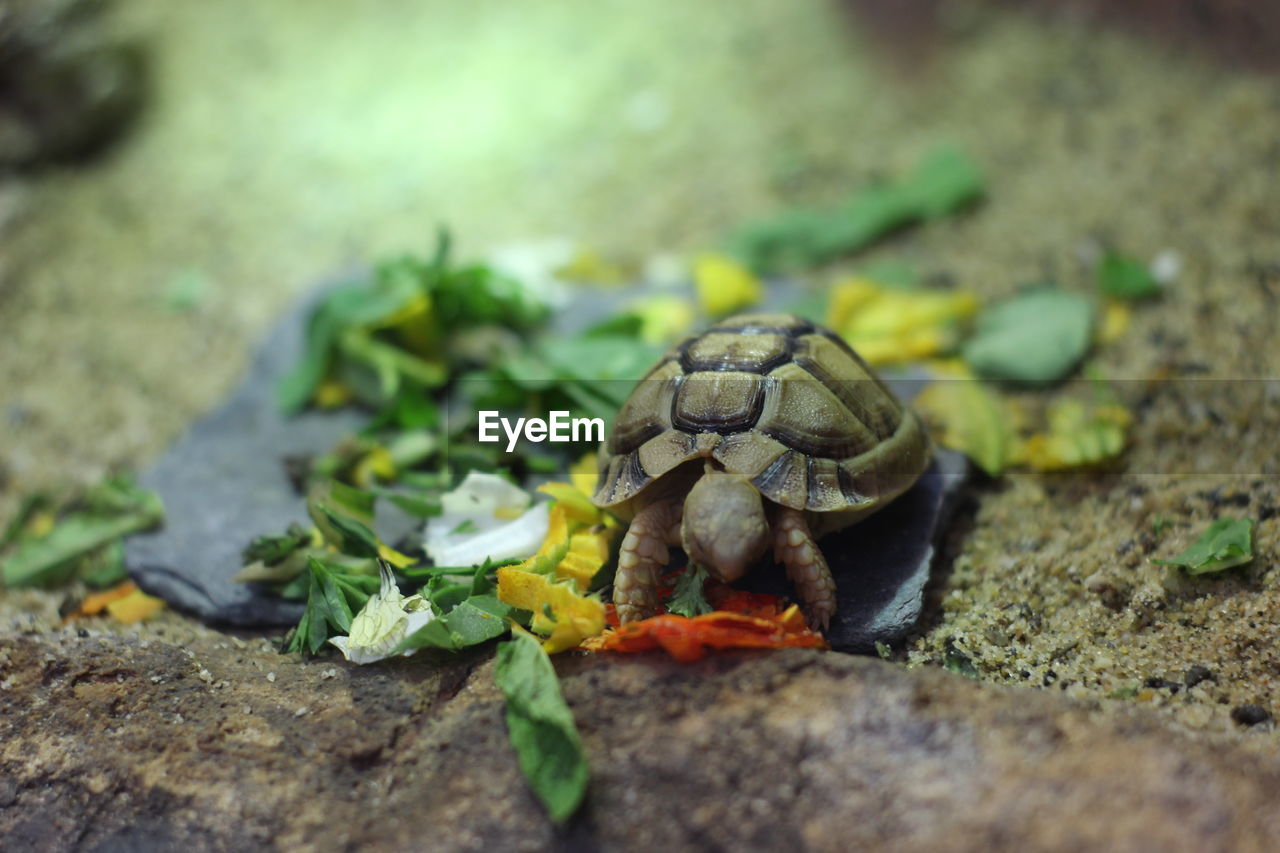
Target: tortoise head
(724, 528)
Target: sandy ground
(290, 140)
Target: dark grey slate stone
(224, 482)
(882, 564)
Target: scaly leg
(793, 546)
(641, 558)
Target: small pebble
(271, 676)
(1250, 715)
(1196, 674)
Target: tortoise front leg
(793, 546)
(641, 558)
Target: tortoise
(766, 429)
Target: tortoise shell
(778, 399)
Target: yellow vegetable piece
(888, 326)
(724, 285)
(576, 505)
(974, 420)
(330, 394)
(394, 557)
(560, 613)
(134, 607)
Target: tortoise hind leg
(793, 546)
(641, 558)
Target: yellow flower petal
(887, 325)
(394, 557)
(724, 285)
(134, 607)
(558, 609)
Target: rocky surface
(111, 745)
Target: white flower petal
(509, 540)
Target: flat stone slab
(225, 482)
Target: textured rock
(105, 743)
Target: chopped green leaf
(687, 598)
(270, 550)
(954, 660)
(1159, 524)
(883, 650)
(344, 515)
(333, 597)
(1122, 277)
(112, 510)
(1123, 692)
(943, 182)
(1035, 338)
(351, 537)
(1227, 543)
(30, 505)
(540, 724)
(106, 567)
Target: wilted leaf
(1227, 543)
(1122, 277)
(941, 183)
(974, 421)
(540, 724)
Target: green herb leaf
(943, 182)
(112, 510)
(687, 598)
(270, 550)
(333, 597)
(540, 724)
(1227, 543)
(1035, 338)
(344, 515)
(352, 537)
(1122, 277)
(30, 505)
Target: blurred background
(175, 173)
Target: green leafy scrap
(107, 513)
(334, 596)
(388, 339)
(943, 182)
(1227, 543)
(271, 550)
(687, 598)
(1122, 277)
(1034, 338)
(541, 727)
(344, 516)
